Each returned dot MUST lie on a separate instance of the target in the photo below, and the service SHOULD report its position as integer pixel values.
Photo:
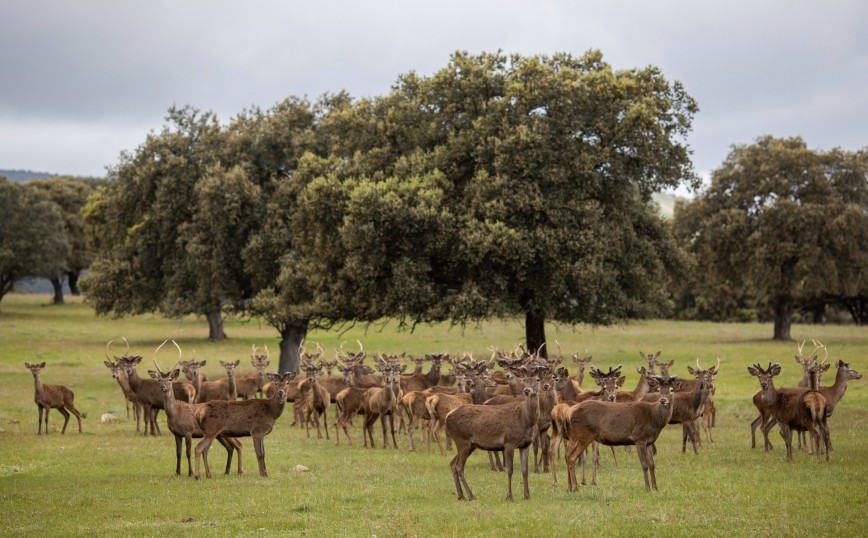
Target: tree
(32, 237)
(503, 185)
(70, 196)
(785, 221)
(144, 225)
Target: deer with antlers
(120, 375)
(315, 399)
(793, 410)
(382, 402)
(48, 397)
(250, 386)
(181, 418)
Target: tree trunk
(783, 318)
(535, 332)
(72, 279)
(291, 336)
(57, 284)
(215, 325)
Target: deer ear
(27, 365)
(621, 381)
(202, 363)
(691, 370)
(154, 374)
(826, 367)
(237, 362)
(752, 371)
(175, 374)
(652, 382)
(676, 385)
(775, 369)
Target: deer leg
(39, 423)
(65, 414)
(75, 412)
(649, 458)
(457, 464)
(392, 429)
(523, 455)
(178, 441)
(507, 462)
(571, 453)
(595, 462)
(787, 434)
(614, 457)
(325, 421)
(259, 447)
(766, 429)
(536, 446)
(137, 407)
(202, 451)
(554, 446)
(643, 453)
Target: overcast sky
(82, 80)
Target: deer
(120, 375)
(789, 408)
(382, 402)
(651, 359)
(765, 421)
(348, 403)
(440, 405)
(493, 428)
(316, 400)
(688, 406)
(48, 397)
(242, 418)
(617, 424)
(581, 363)
(833, 394)
(222, 389)
(250, 386)
(149, 395)
(181, 418)
(418, 382)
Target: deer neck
(276, 404)
(663, 413)
(580, 375)
(314, 388)
(260, 378)
(169, 400)
(134, 380)
(40, 390)
(531, 410)
(434, 372)
(641, 389)
(838, 388)
(195, 380)
(233, 390)
(769, 395)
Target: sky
(81, 81)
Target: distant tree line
(498, 186)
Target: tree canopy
(33, 240)
(786, 222)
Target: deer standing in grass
(793, 410)
(617, 424)
(181, 418)
(315, 400)
(245, 418)
(382, 402)
(496, 427)
(120, 375)
(48, 397)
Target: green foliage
(33, 240)
(783, 223)
(50, 486)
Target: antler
(106, 350)
(819, 345)
(128, 346)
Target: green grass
(111, 482)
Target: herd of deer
(478, 406)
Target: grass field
(109, 481)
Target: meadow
(110, 481)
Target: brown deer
(382, 402)
(250, 386)
(651, 359)
(620, 424)
(688, 406)
(181, 419)
(581, 363)
(788, 408)
(440, 405)
(120, 375)
(245, 418)
(765, 421)
(222, 389)
(496, 427)
(315, 400)
(833, 394)
(49, 397)
(418, 382)
(149, 394)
